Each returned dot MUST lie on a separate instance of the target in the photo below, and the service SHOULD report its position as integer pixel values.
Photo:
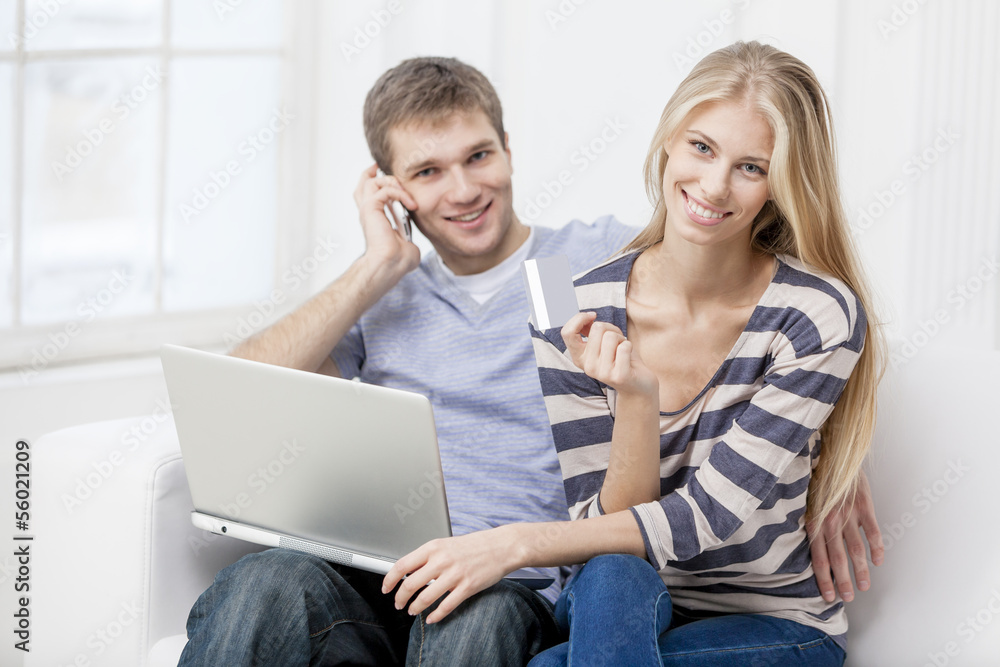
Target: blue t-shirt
(476, 365)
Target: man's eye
(425, 172)
(481, 155)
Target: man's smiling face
(458, 171)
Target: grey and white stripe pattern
(728, 535)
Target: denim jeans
(617, 611)
(281, 607)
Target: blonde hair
(804, 218)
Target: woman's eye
(700, 147)
(753, 169)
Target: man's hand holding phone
(387, 238)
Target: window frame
(27, 349)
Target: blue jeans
(617, 611)
(281, 607)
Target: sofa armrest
(116, 563)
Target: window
(141, 157)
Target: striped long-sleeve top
(728, 534)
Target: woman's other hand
(459, 566)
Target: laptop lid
(312, 458)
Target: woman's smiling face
(715, 181)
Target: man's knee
(499, 604)
(275, 574)
(504, 624)
(272, 604)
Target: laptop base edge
(269, 538)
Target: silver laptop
(344, 470)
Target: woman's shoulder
(602, 289)
(614, 270)
(833, 309)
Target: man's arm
(304, 338)
(827, 541)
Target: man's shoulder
(577, 231)
(586, 244)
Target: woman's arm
(808, 364)
(604, 459)
(462, 566)
(604, 354)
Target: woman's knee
(624, 563)
(616, 605)
(613, 581)
(619, 568)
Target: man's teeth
(468, 217)
(703, 212)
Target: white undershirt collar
(482, 286)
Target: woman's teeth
(703, 212)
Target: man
(451, 326)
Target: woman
(715, 351)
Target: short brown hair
(425, 89)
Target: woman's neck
(695, 276)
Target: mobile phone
(551, 294)
(399, 215)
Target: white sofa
(118, 563)
(115, 573)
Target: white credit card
(551, 294)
